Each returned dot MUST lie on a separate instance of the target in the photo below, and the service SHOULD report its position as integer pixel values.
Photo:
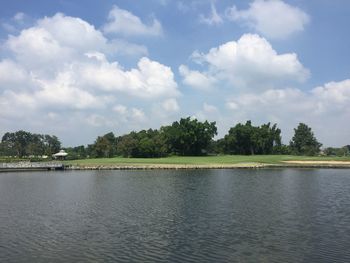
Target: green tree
(145, 143)
(22, 143)
(18, 141)
(36, 145)
(248, 139)
(74, 153)
(127, 145)
(189, 136)
(332, 151)
(304, 141)
(240, 139)
(105, 146)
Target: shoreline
(153, 166)
(206, 167)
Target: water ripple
(176, 216)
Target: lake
(267, 215)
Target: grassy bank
(201, 160)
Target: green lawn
(201, 160)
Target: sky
(79, 69)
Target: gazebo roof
(61, 153)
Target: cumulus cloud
(150, 79)
(196, 79)
(272, 18)
(209, 112)
(249, 62)
(123, 22)
(170, 105)
(138, 115)
(120, 109)
(123, 47)
(126, 115)
(65, 54)
(63, 65)
(53, 42)
(209, 108)
(59, 40)
(98, 120)
(12, 75)
(333, 95)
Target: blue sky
(79, 69)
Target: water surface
(290, 215)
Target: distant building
(61, 155)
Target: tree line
(25, 144)
(186, 137)
(190, 137)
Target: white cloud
(196, 79)
(150, 80)
(36, 47)
(12, 75)
(137, 115)
(170, 105)
(73, 32)
(208, 112)
(250, 62)
(131, 115)
(123, 47)
(59, 40)
(62, 92)
(209, 108)
(231, 105)
(54, 42)
(334, 94)
(272, 18)
(62, 65)
(66, 47)
(213, 19)
(120, 109)
(125, 23)
(97, 120)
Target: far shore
(188, 162)
(210, 162)
(285, 164)
(205, 167)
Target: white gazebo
(60, 155)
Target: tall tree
(240, 139)
(189, 136)
(127, 145)
(22, 143)
(105, 146)
(146, 143)
(304, 142)
(248, 139)
(18, 141)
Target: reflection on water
(176, 216)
